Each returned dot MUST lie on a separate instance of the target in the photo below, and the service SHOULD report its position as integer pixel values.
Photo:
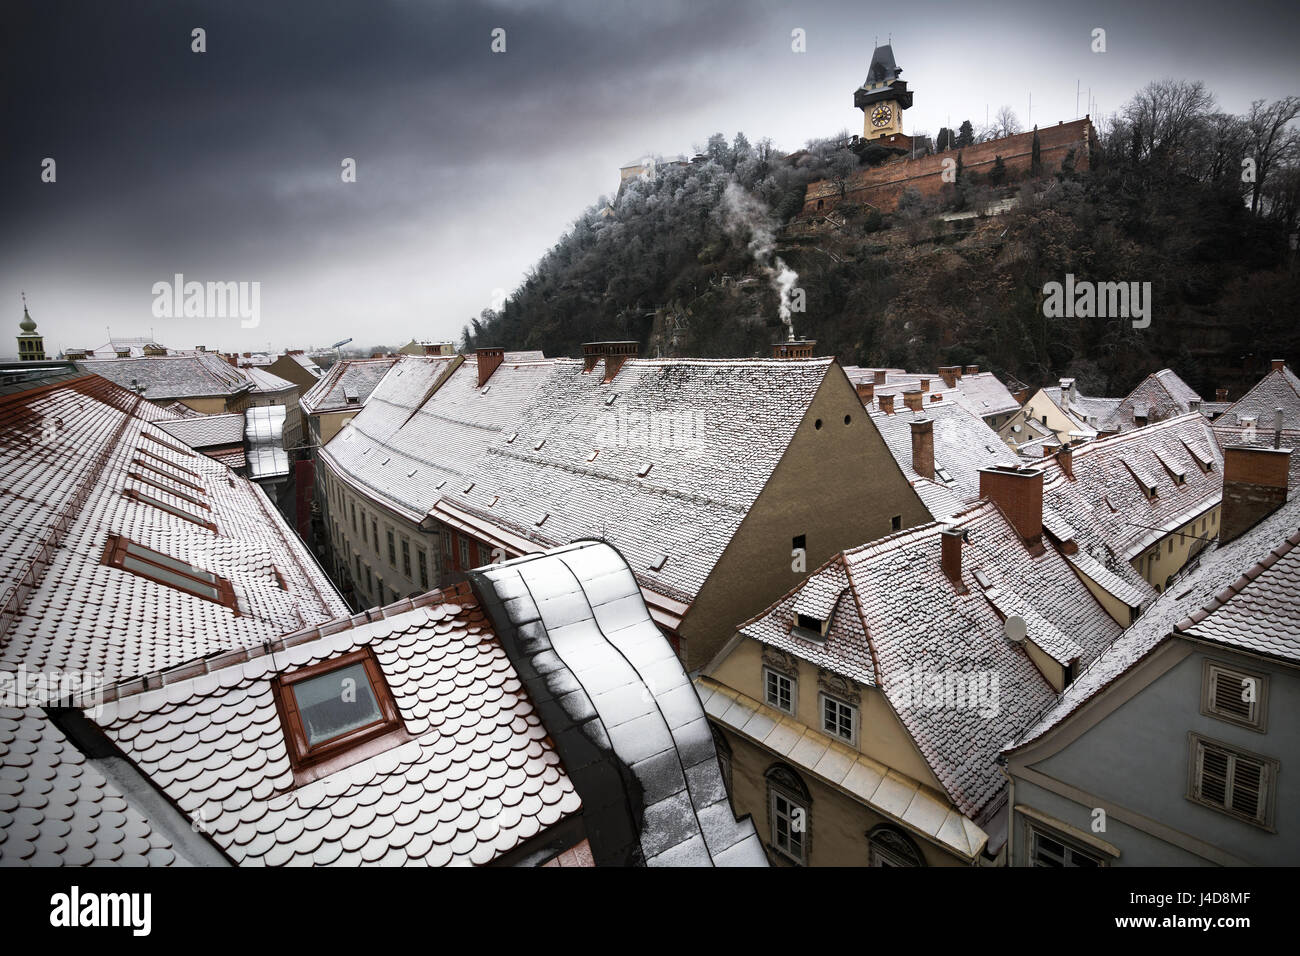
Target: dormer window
(807, 626)
(328, 710)
(120, 552)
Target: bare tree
(1005, 123)
(1269, 138)
(1165, 115)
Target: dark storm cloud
(225, 165)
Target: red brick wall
(1020, 496)
(881, 186)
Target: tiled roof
(963, 444)
(58, 810)
(264, 431)
(479, 777)
(983, 393)
(206, 431)
(901, 620)
(664, 461)
(1088, 413)
(612, 691)
(192, 375)
(1277, 389)
(346, 385)
(1159, 396)
(68, 453)
(1243, 594)
(264, 381)
(306, 362)
(1105, 501)
(1262, 438)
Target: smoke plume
(745, 214)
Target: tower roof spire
(28, 324)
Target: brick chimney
(1254, 486)
(887, 404)
(489, 360)
(1279, 364)
(592, 352)
(1065, 458)
(950, 557)
(950, 374)
(1050, 448)
(1220, 394)
(794, 348)
(972, 369)
(881, 376)
(1019, 493)
(925, 385)
(923, 446)
(913, 400)
(866, 392)
(616, 353)
(1021, 396)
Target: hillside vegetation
(697, 260)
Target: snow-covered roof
(1159, 396)
(346, 385)
(1243, 594)
(981, 393)
(206, 431)
(613, 693)
(477, 776)
(963, 444)
(899, 620)
(191, 375)
(264, 381)
(1280, 388)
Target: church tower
(31, 344)
(882, 97)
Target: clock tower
(882, 97)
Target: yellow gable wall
(1038, 406)
(838, 485)
(881, 735)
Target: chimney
(1019, 493)
(1067, 386)
(592, 352)
(1279, 364)
(1254, 486)
(881, 376)
(1220, 394)
(887, 404)
(794, 348)
(925, 385)
(923, 446)
(866, 392)
(1021, 396)
(489, 360)
(950, 374)
(1050, 448)
(912, 399)
(972, 369)
(1065, 458)
(616, 353)
(951, 539)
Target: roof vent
(645, 469)
(658, 563)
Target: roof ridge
(1244, 580)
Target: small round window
(848, 419)
(817, 424)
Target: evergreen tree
(998, 174)
(944, 141)
(965, 134)
(1036, 156)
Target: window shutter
(1212, 776)
(1248, 777)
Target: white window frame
(840, 704)
(768, 673)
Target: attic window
(943, 475)
(121, 552)
(332, 707)
(351, 396)
(658, 563)
(809, 626)
(131, 494)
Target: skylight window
(166, 444)
(174, 467)
(155, 483)
(120, 552)
(645, 469)
(330, 708)
(141, 463)
(658, 563)
(131, 494)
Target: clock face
(880, 116)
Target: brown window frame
(145, 451)
(171, 491)
(166, 444)
(115, 553)
(311, 763)
(176, 511)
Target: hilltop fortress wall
(882, 186)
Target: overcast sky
(225, 165)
